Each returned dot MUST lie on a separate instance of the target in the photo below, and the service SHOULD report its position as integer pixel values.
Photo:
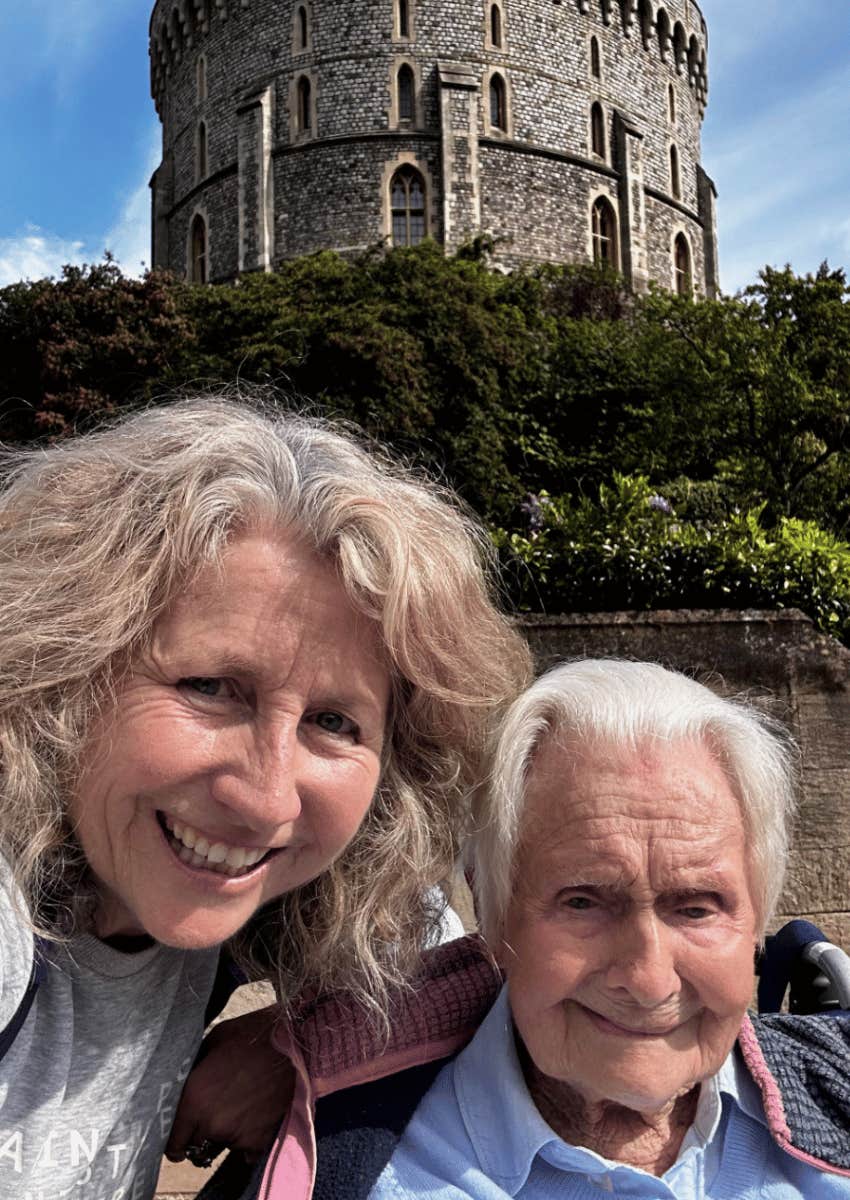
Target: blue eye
(695, 912)
(203, 685)
(334, 722)
(210, 687)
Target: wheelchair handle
(834, 965)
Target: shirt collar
(735, 1081)
(489, 1083)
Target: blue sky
(79, 136)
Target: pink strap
(291, 1166)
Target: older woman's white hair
(610, 702)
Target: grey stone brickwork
(303, 140)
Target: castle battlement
(568, 129)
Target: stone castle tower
(569, 129)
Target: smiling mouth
(194, 850)
(609, 1026)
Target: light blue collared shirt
(477, 1135)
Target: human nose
(643, 961)
(261, 788)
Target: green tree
(77, 348)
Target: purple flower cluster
(532, 509)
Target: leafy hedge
(628, 549)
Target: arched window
(303, 28)
(495, 25)
(305, 121)
(682, 266)
(675, 174)
(498, 104)
(202, 162)
(198, 265)
(597, 129)
(645, 17)
(671, 103)
(407, 199)
(604, 230)
(595, 59)
(406, 93)
(177, 34)
(403, 17)
(680, 47)
(693, 59)
(202, 79)
(662, 25)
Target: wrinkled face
(629, 942)
(243, 751)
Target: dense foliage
(734, 412)
(627, 548)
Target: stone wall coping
(669, 616)
(798, 646)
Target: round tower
(568, 129)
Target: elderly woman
(628, 856)
(246, 675)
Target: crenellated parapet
(675, 30)
(178, 27)
(568, 129)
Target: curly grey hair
(99, 533)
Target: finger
(183, 1133)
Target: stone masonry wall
(327, 185)
(780, 662)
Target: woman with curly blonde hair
(248, 668)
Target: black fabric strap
(228, 978)
(358, 1129)
(13, 1028)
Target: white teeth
(197, 851)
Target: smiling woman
(247, 671)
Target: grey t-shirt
(89, 1088)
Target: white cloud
(34, 254)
